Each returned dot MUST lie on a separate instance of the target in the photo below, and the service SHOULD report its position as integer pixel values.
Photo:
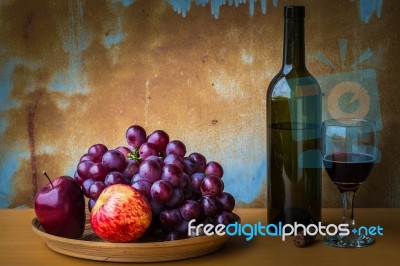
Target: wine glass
(349, 151)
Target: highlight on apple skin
(121, 214)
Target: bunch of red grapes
(179, 188)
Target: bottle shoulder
(284, 84)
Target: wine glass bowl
(349, 152)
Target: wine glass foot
(350, 241)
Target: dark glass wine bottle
(293, 133)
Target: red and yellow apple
(121, 214)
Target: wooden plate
(89, 246)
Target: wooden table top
(20, 246)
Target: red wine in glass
(348, 170)
(349, 151)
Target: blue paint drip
(6, 84)
(126, 3)
(343, 51)
(203, 3)
(182, 6)
(113, 39)
(251, 7)
(264, 7)
(368, 7)
(365, 56)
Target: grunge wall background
(74, 73)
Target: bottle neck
(293, 46)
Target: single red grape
(176, 147)
(211, 185)
(135, 136)
(161, 191)
(114, 178)
(227, 201)
(176, 160)
(172, 174)
(97, 151)
(210, 205)
(225, 218)
(190, 209)
(150, 171)
(95, 189)
(160, 138)
(214, 168)
(200, 160)
(98, 172)
(86, 187)
(83, 169)
(148, 149)
(143, 187)
(114, 160)
(195, 181)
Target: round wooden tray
(91, 247)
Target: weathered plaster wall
(75, 72)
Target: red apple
(121, 214)
(60, 207)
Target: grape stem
(48, 178)
(134, 155)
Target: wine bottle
(293, 132)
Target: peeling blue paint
(368, 7)
(6, 84)
(71, 80)
(182, 6)
(126, 3)
(112, 39)
(245, 188)
(264, 6)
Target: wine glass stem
(348, 216)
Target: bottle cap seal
(294, 11)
